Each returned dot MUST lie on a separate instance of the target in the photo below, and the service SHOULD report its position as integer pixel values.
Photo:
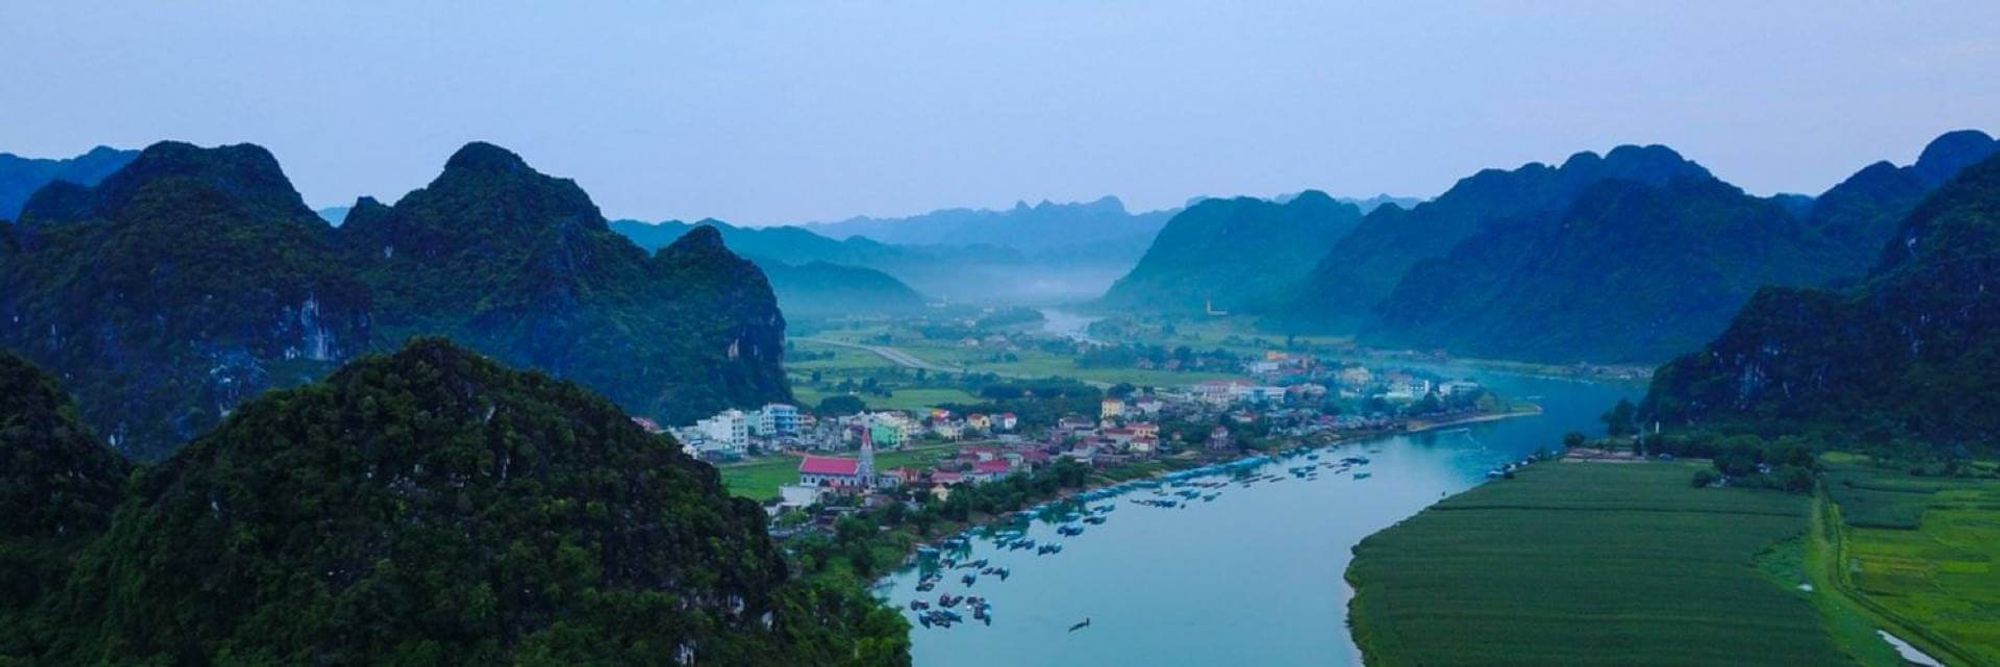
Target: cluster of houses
(734, 434)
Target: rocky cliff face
(181, 285)
(522, 266)
(1911, 350)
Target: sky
(766, 113)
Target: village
(1289, 400)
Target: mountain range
(813, 276)
(1631, 257)
(1908, 351)
(1227, 254)
(20, 177)
(1101, 228)
(193, 279)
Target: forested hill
(58, 489)
(430, 507)
(1911, 351)
(1628, 273)
(522, 266)
(1342, 289)
(1233, 253)
(819, 289)
(1863, 212)
(181, 285)
(813, 276)
(194, 279)
(20, 177)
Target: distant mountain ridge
(20, 177)
(1909, 351)
(1633, 257)
(1103, 227)
(194, 279)
(1233, 253)
(813, 276)
(1361, 269)
(1629, 272)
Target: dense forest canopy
(431, 506)
(1909, 352)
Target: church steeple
(867, 468)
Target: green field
(759, 480)
(1922, 552)
(1569, 564)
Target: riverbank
(1158, 468)
(1584, 563)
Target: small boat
(1081, 625)
(919, 605)
(1363, 475)
(968, 579)
(1095, 520)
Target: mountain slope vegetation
(1908, 352)
(435, 507)
(1627, 273)
(194, 279)
(813, 276)
(1233, 253)
(1341, 291)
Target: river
(1253, 577)
(1069, 325)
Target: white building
(728, 431)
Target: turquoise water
(1251, 578)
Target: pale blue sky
(774, 112)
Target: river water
(1253, 577)
(1069, 325)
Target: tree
(842, 404)
(1620, 421)
(1705, 477)
(1573, 440)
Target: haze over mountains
(1233, 253)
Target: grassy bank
(1570, 564)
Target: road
(895, 356)
(906, 360)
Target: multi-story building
(778, 420)
(728, 432)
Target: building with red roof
(830, 471)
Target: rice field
(1573, 564)
(1923, 551)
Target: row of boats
(1177, 490)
